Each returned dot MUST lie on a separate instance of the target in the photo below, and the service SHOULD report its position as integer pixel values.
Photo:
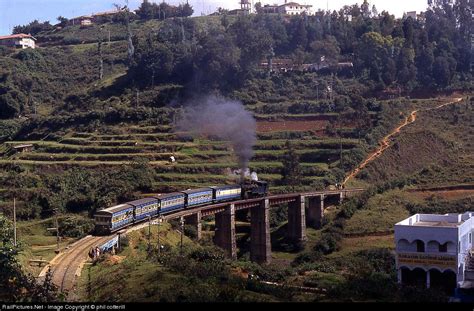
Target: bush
(76, 227)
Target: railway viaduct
(303, 208)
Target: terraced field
(198, 161)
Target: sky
(21, 12)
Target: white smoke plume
(224, 119)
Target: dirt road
(385, 143)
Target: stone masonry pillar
(260, 243)
(316, 211)
(297, 220)
(195, 220)
(225, 231)
(341, 197)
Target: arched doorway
(445, 281)
(415, 277)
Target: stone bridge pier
(225, 231)
(196, 221)
(315, 211)
(297, 221)
(260, 243)
(303, 210)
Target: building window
(420, 246)
(443, 248)
(470, 238)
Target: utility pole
(160, 220)
(182, 233)
(317, 90)
(137, 96)
(57, 229)
(149, 233)
(14, 221)
(340, 141)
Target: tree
(101, 59)
(291, 171)
(300, 35)
(258, 8)
(327, 48)
(185, 10)
(365, 9)
(32, 28)
(130, 46)
(62, 21)
(146, 10)
(442, 71)
(16, 285)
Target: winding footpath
(385, 143)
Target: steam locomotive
(117, 217)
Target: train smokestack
(225, 119)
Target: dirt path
(385, 143)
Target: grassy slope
(38, 243)
(129, 276)
(107, 279)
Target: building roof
(451, 220)
(17, 36)
(296, 4)
(437, 224)
(108, 13)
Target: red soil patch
(114, 259)
(447, 194)
(318, 126)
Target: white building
(294, 8)
(21, 40)
(412, 14)
(435, 250)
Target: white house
(294, 8)
(435, 250)
(412, 14)
(21, 40)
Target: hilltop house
(87, 20)
(289, 8)
(294, 8)
(21, 41)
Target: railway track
(65, 266)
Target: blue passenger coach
(114, 218)
(225, 193)
(170, 202)
(198, 196)
(145, 208)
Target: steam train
(117, 217)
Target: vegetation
(101, 114)
(15, 284)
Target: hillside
(103, 125)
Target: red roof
(17, 36)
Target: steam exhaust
(224, 119)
